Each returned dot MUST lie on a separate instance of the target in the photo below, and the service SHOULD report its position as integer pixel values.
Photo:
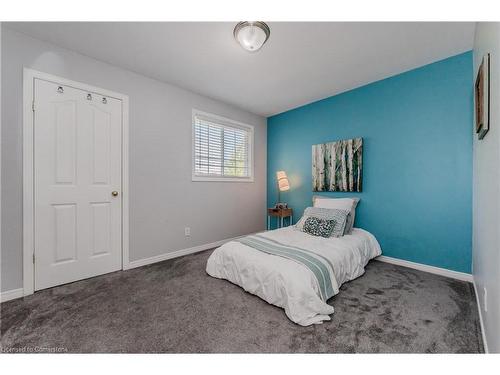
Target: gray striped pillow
(340, 217)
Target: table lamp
(283, 185)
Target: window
(222, 149)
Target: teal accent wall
(417, 159)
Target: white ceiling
(301, 62)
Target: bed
(301, 289)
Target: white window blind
(221, 149)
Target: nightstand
(280, 214)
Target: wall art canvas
(338, 166)
(482, 97)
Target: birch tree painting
(337, 166)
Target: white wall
(163, 199)
(486, 191)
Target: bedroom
(249, 187)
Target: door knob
(114, 193)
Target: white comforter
(286, 283)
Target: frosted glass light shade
(251, 35)
(283, 183)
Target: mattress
(288, 284)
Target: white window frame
(230, 123)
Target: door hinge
(33, 258)
(33, 105)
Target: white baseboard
(11, 294)
(424, 267)
(485, 343)
(176, 254)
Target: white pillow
(333, 203)
(346, 204)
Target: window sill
(221, 179)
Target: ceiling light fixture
(251, 35)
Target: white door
(78, 174)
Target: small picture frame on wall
(482, 97)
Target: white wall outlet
(187, 231)
(485, 299)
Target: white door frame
(28, 169)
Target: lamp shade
(283, 183)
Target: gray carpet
(174, 306)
